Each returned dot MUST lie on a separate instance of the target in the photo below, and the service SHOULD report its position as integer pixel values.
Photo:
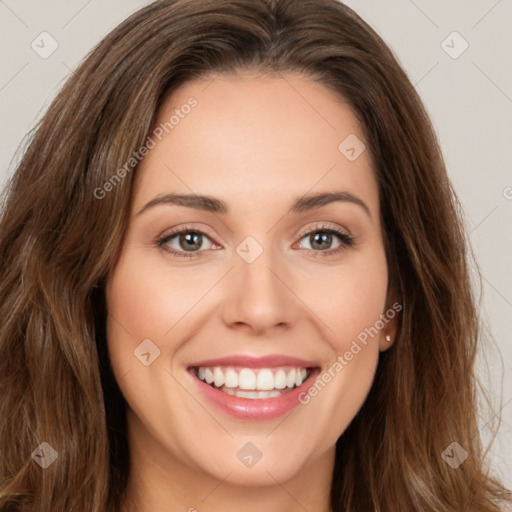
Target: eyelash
(345, 239)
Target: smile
(253, 388)
(253, 383)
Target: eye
(185, 241)
(322, 237)
(188, 241)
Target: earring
(388, 338)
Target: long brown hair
(59, 242)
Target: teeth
(253, 383)
(265, 380)
(231, 378)
(246, 379)
(246, 394)
(280, 380)
(218, 377)
(208, 375)
(290, 380)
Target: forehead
(261, 136)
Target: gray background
(468, 97)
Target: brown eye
(190, 240)
(183, 241)
(320, 241)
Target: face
(265, 289)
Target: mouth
(254, 388)
(252, 383)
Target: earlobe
(386, 343)
(389, 331)
(390, 317)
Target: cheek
(348, 299)
(140, 307)
(146, 299)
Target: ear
(390, 320)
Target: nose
(258, 297)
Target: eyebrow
(214, 205)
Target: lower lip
(259, 408)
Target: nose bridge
(257, 295)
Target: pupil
(193, 240)
(325, 238)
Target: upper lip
(248, 361)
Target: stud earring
(388, 338)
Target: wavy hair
(59, 243)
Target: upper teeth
(249, 378)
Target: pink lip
(256, 362)
(255, 409)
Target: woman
(234, 278)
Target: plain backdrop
(456, 53)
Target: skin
(272, 139)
